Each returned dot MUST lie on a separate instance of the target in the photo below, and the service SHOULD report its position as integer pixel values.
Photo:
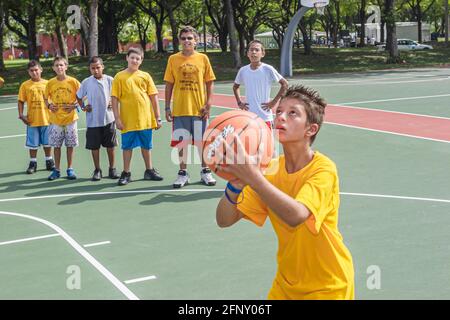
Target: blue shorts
(134, 139)
(37, 136)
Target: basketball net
(320, 7)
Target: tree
(155, 10)
(391, 42)
(218, 16)
(232, 32)
(170, 6)
(362, 19)
(26, 20)
(58, 12)
(419, 9)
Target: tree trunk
(223, 41)
(93, 29)
(306, 39)
(419, 27)
(61, 41)
(174, 27)
(446, 21)
(232, 33)
(362, 18)
(391, 42)
(159, 38)
(2, 63)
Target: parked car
(407, 44)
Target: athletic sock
(33, 159)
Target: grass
(323, 60)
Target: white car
(407, 44)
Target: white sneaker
(182, 179)
(207, 178)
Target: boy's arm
(285, 207)
(271, 104)
(168, 97)
(115, 108)
(227, 213)
(20, 106)
(50, 106)
(204, 112)
(155, 106)
(237, 95)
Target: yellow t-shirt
(133, 91)
(32, 93)
(313, 262)
(189, 75)
(60, 93)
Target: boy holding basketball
(138, 114)
(31, 93)
(257, 77)
(300, 194)
(187, 75)
(60, 97)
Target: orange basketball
(253, 132)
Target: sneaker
(182, 179)
(113, 173)
(55, 175)
(152, 174)
(97, 176)
(206, 177)
(71, 174)
(49, 164)
(32, 167)
(125, 178)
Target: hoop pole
(286, 50)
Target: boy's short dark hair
(58, 58)
(136, 50)
(257, 42)
(311, 100)
(95, 59)
(33, 63)
(187, 29)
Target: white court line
(140, 279)
(388, 132)
(105, 272)
(209, 190)
(3, 109)
(359, 83)
(29, 239)
(96, 244)
(395, 99)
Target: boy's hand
(159, 124)
(24, 119)
(119, 124)
(267, 106)
(69, 107)
(52, 107)
(169, 117)
(204, 112)
(243, 105)
(88, 108)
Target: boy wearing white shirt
(257, 77)
(95, 97)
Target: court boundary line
(94, 262)
(388, 196)
(4, 243)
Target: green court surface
(149, 241)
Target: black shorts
(101, 136)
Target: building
(405, 30)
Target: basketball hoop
(319, 5)
(320, 8)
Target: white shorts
(58, 134)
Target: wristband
(233, 188)
(229, 199)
